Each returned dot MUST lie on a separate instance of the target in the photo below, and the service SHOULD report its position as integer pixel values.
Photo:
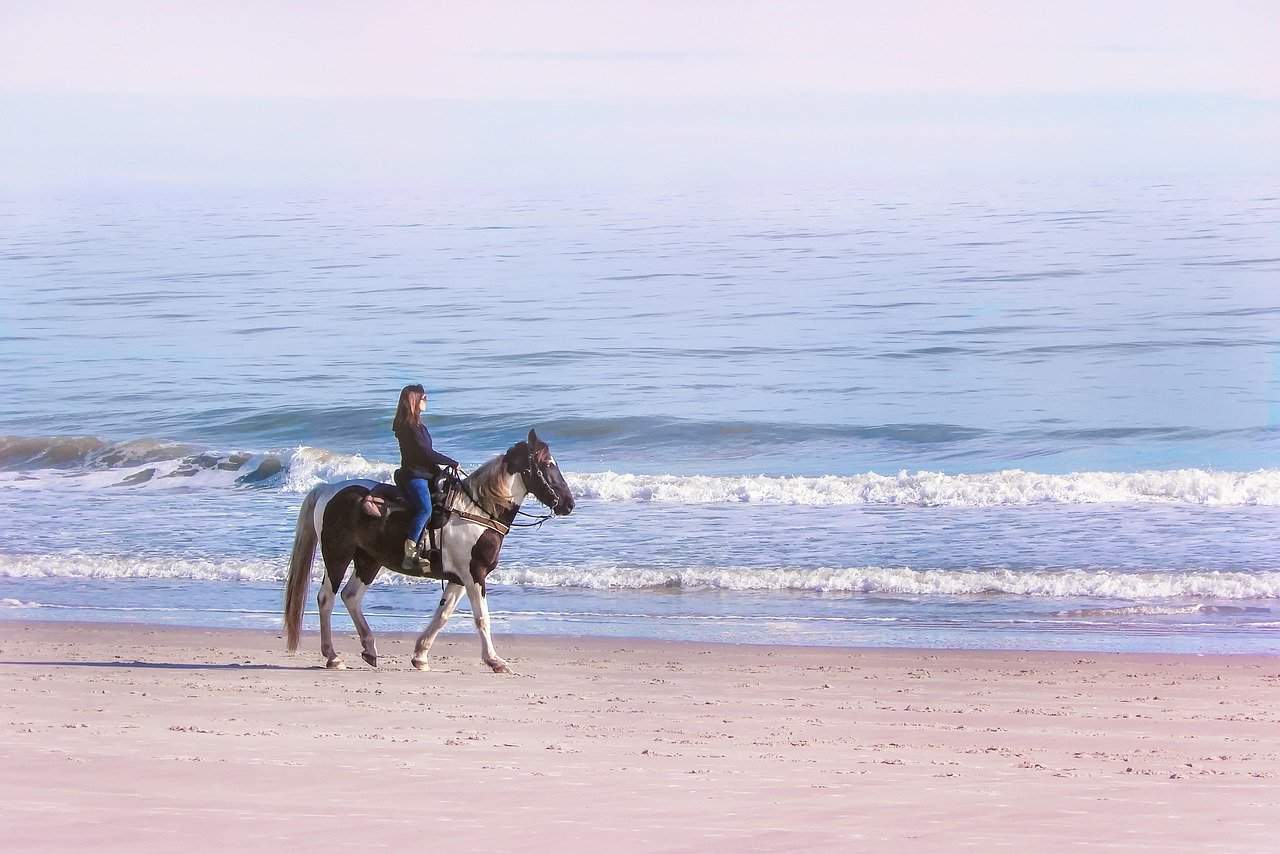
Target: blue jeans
(418, 491)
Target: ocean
(1043, 415)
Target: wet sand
(144, 738)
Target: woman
(419, 462)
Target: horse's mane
(490, 485)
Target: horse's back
(331, 493)
(332, 490)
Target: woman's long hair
(407, 409)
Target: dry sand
(142, 738)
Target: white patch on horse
(448, 601)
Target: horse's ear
(533, 439)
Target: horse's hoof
(420, 665)
(371, 660)
(335, 664)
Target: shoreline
(310, 642)
(150, 737)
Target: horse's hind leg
(353, 594)
(324, 603)
(335, 565)
(448, 601)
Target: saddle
(387, 498)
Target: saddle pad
(386, 498)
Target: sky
(542, 92)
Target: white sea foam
(1093, 583)
(1099, 583)
(74, 565)
(1162, 610)
(309, 467)
(933, 489)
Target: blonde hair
(490, 486)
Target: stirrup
(431, 552)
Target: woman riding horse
(419, 464)
(339, 518)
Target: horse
(350, 521)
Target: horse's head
(532, 460)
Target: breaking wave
(309, 467)
(935, 489)
(85, 452)
(80, 462)
(88, 463)
(1052, 583)
(1099, 583)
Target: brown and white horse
(335, 516)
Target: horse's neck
(518, 490)
(515, 486)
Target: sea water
(1041, 415)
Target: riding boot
(410, 561)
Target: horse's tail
(304, 550)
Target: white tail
(299, 580)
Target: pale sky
(245, 92)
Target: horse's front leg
(480, 613)
(448, 601)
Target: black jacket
(417, 457)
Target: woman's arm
(422, 440)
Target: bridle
(527, 475)
(535, 471)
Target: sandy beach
(145, 738)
